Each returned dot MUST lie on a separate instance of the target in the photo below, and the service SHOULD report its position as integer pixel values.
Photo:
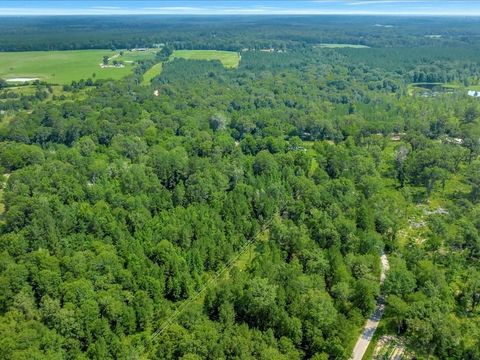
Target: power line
(212, 280)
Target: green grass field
(62, 67)
(458, 86)
(473, 87)
(137, 55)
(418, 88)
(21, 90)
(155, 70)
(229, 59)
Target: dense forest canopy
(240, 213)
(232, 32)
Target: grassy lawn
(57, 90)
(155, 70)
(457, 86)
(63, 67)
(21, 90)
(381, 330)
(342, 46)
(417, 87)
(229, 59)
(138, 55)
(60, 67)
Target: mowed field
(229, 59)
(155, 70)
(60, 67)
(137, 55)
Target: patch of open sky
(245, 7)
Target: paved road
(372, 323)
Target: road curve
(372, 323)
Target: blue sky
(246, 7)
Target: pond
(430, 86)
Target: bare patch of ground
(21, 79)
(391, 347)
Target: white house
(474, 93)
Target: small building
(474, 93)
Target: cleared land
(21, 90)
(63, 67)
(341, 46)
(155, 70)
(229, 59)
(415, 88)
(136, 55)
(2, 205)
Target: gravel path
(372, 323)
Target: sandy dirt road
(372, 323)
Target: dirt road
(372, 323)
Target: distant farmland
(229, 59)
(62, 67)
(341, 46)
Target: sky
(245, 7)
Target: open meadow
(155, 70)
(63, 67)
(229, 59)
(136, 55)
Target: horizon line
(437, 8)
(245, 14)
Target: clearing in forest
(63, 67)
(136, 55)
(2, 205)
(229, 59)
(155, 70)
